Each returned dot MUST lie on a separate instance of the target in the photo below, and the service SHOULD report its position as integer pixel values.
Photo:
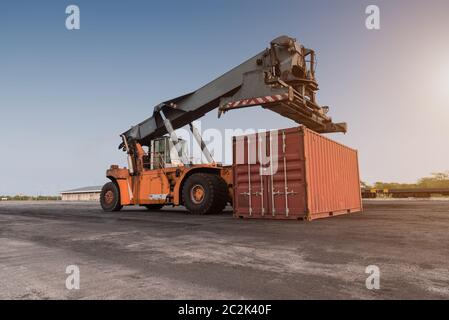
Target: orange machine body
(160, 186)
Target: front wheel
(110, 197)
(205, 193)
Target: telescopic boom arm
(281, 78)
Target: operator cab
(163, 154)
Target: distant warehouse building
(82, 194)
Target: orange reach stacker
(281, 78)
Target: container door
(286, 182)
(269, 177)
(255, 186)
(248, 186)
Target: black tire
(213, 190)
(110, 197)
(153, 206)
(223, 189)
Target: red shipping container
(309, 177)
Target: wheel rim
(197, 194)
(109, 197)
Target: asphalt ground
(170, 254)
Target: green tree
(439, 180)
(436, 180)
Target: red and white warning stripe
(257, 101)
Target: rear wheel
(110, 197)
(205, 193)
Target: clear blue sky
(65, 96)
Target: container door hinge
(257, 193)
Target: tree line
(438, 180)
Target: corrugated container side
(332, 173)
(310, 176)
